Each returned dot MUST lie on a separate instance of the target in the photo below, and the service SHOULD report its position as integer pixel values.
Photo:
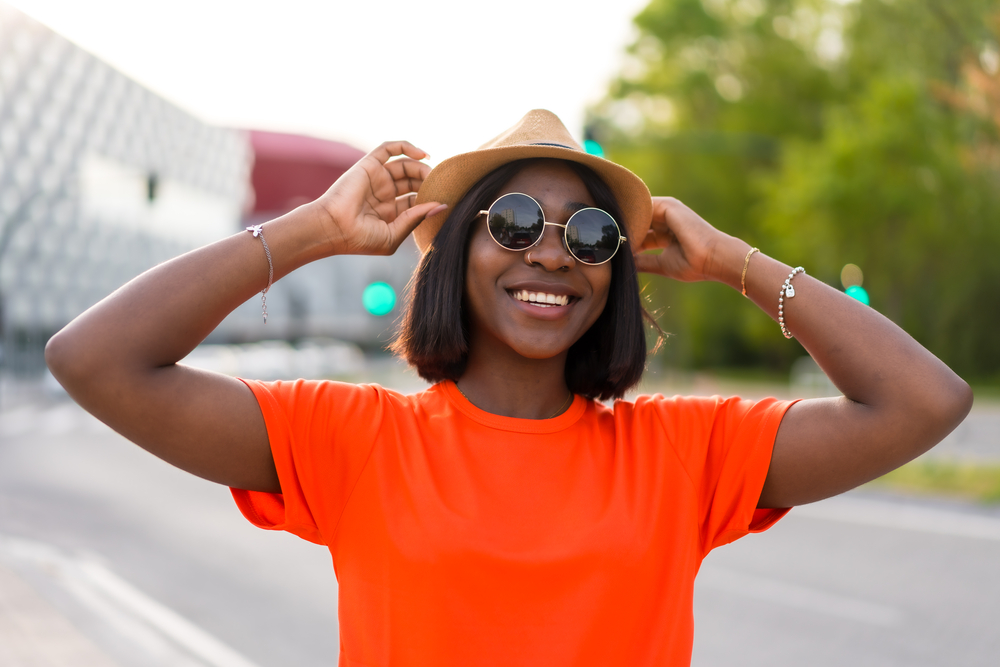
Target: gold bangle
(746, 264)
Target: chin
(542, 350)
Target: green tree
(824, 132)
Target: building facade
(101, 179)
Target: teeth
(541, 298)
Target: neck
(519, 387)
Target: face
(506, 291)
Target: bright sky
(445, 74)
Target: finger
(408, 220)
(390, 149)
(405, 202)
(407, 186)
(404, 167)
(408, 177)
(658, 239)
(664, 207)
(650, 241)
(676, 215)
(648, 263)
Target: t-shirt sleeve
(321, 435)
(725, 446)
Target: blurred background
(829, 133)
(858, 138)
(832, 134)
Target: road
(156, 567)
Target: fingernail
(437, 209)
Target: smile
(541, 299)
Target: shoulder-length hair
(433, 337)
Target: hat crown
(538, 127)
(539, 134)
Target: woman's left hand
(899, 400)
(688, 243)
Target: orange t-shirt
(460, 537)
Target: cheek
(476, 262)
(601, 284)
(482, 266)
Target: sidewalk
(34, 634)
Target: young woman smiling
(504, 516)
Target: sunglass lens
(515, 221)
(592, 236)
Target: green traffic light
(858, 292)
(593, 148)
(379, 298)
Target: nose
(550, 252)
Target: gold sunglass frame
(621, 239)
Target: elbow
(64, 360)
(56, 356)
(948, 405)
(962, 399)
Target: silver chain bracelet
(258, 232)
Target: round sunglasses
(516, 222)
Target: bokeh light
(851, 275)
(858, 292)
(379, 298)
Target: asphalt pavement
(111, 557)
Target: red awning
(292, 169)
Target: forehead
(551, 183)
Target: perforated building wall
(101, 179)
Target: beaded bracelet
(789, 291)
(258, 232)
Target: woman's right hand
(370, 209)
(119, 358)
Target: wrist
(726, 265)
(319, 219)
(298, 238)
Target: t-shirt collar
(558, 423)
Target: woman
(504, 516)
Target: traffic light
(858, 292)
(593, 147)
(851, 278)
(590, 143)
(379, 298)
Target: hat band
(544, 143)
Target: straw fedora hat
(540, 134)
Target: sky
(445, 74)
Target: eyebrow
(575, 206)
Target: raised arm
(899, 399)
(119, 359)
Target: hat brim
(449, 181)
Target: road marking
(167, 621)
(142, 619)
(883, 514)
(799, 597)
(155, 648)
(32, 632)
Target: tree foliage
(825, 132)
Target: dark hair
(605, 362)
